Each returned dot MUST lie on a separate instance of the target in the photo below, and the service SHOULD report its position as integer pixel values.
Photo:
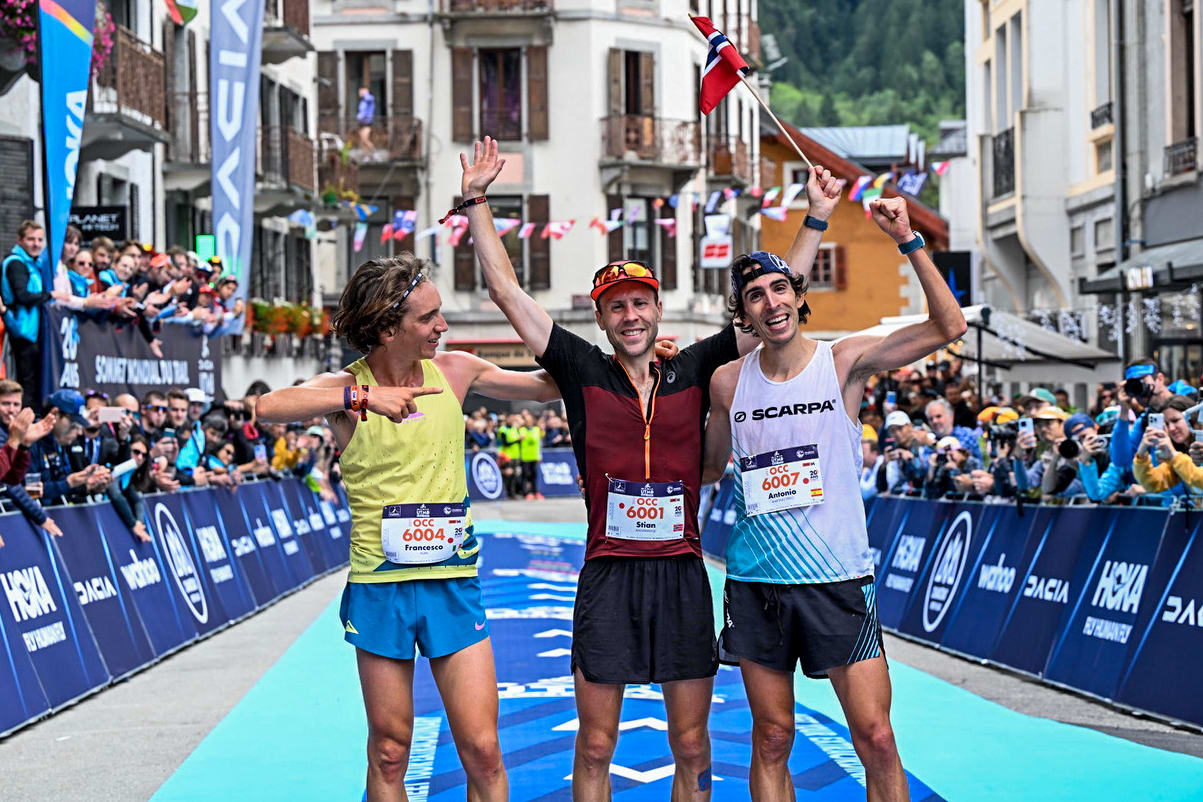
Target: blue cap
(765, 263)
(1180, 387)
(1076, 422)
(70, 402)
(1107, 416)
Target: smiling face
(82, 263)
(126, 264)
(629, 314)
(770, 307)
(33, 241)
(423, 324)
(1177, 427)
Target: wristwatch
(912, 245)
(815, 223)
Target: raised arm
(823, 192)
(864, 356)
(532, 323)
(471, 373)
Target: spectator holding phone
(903, 470)
(50, 456)
(1144, 390)
(1163, 460)
(130, 480)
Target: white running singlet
(800, 518)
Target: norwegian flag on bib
(724, 65)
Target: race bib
(781, 480)
(645, 510)
(422, 534)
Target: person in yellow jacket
(1173, 467)
(530, 441)
(397, 416)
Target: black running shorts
(821, 625)
(639, 620)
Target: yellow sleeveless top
(419, 461)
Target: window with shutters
(638, 240)
(509, 207)
(822, 274)
(366, 69)
(501, 93)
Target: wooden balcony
(128, 106)
(651, 140)
(729, 160)
(337, 173)
(495, 7)
(285, 169)
(285, 30)
(189, 154)
(394, 140)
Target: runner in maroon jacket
(643, 605)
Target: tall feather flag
(724, 65)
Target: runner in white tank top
(799, 573)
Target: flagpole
(763, 105)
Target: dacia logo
(791, 409)
(949, 566)
(1050, 589)
(422, 511)
(98, 588)
(1120, 586)
(647, 491)
(1189, 614)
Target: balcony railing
(394, 139)
(496, 6)
(730, 159)
(188, 121)
(1004, 163)
(1180, 157)
(135, 76)
(286, 157)
(337, 173)
(1100, 116)
(288, 13)
(637, 137)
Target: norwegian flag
(724, 65)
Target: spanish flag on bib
(724, 65)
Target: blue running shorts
(439, 616)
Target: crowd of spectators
(89, 447)
(129, 282)
(931, 433)
(519, 439)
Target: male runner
(413, 553)
(799, 573)
(643, 609)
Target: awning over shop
(1164, 267)
(1001, 339)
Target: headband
(409, 289)
(1139, 371)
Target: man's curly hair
(369, 303)
(735, 301)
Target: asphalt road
(122, 743)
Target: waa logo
(487, 475)
(949, 567)
(27, 593)
(1120, 586)
(180, 563)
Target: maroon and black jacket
(612, 436)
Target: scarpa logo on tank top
(947, 571)
(769, 413)
(486, 475)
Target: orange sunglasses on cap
(618, 272)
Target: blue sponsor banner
(53, 630)
(181, 567)
(21, 696)
(484, 476)
(993, 582)
(883, 516)
(106, 602)
(332, 538)
(919, 527)
(65, 27)
(557, 473)
(1092, 650)
(235, 42)
(301, 525)
(223, 577)
(140, 570)
(1170, 636)
(719, 518)
(947, 572)
(255, 548)
(273, 514)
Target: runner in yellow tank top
(413, 553)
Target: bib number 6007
(779, 477)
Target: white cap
(897, 418)
(197, 396)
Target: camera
(1139, 390)
(1069, 448)
(1003, 433)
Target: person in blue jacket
(23, 293)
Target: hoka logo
(27, 593)
(908, 553)
(1120, 586)
(647, 491)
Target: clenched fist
(891, 217)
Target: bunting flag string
(669, 224)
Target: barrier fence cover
(1106, 600)
(96, 604)
(556, 475)
(83, 352)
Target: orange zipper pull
(647, 431)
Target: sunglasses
(156, 408)
(137, 452)
(617, 270)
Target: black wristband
(462, 206)
(815, 223)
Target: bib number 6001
(646, 509)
